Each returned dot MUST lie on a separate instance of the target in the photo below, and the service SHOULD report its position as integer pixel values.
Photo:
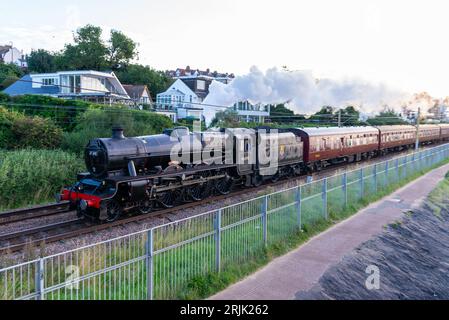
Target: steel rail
(17, 215)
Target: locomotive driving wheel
(201, 190)
(170, 198)
(113, 211)
(224, 185)
(145, 206)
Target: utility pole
(339, 118)
(417, 129)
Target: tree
(41, 61)
(226, 119)
(325, 116)
(349, 116)
(121, 50)
(386, 117)
(281, 114)
(156, 81)
(88, 52)
(9, 73)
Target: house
(10, 54)
(179, 98)
(252, 112)
(187, 72)
(199, 81)
(139, 94)
(246, 110)
(95, 86)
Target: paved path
(302, 268)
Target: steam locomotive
(161, 171)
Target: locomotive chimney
(117, 133)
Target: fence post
(298, 205)
(397, 170)
(264, 219)
(420, 160)
(39, 279)
(361, 184)
(325, 198)
(386, 173)
(345, 188)
(218, 240)
(149, 264)
(375, 177)
(405, 167)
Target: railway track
(33, 212)
(18, 240)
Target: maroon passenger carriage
(326, 146)
(429, 133)
(444, 133)
(396, 138)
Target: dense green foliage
(156, 81)
(386, 117)
(226, 119)
(62, 112)
(87, 52)
(189, 123)
(41, 61)
(96, 123)
(19, 131)
(281, 114)
(9, 73)
(34, 176)
(282, 117)
(329, 116)
(35, 132)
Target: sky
(402, 44)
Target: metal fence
(163, 262)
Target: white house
(252, 112)
(247, 111)
(9, 54)
(181, 99)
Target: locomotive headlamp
(83, 204)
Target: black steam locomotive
(162, 171)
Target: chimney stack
(117, 133)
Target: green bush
(9, 73)
(7, 119)
(35, 132)
(34, 176)
(97, 123)
(63, 112)
(19, 131)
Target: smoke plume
(304, 93)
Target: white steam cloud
(304, 93)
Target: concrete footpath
(300, 269)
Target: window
(201, 85)
(48, 81)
